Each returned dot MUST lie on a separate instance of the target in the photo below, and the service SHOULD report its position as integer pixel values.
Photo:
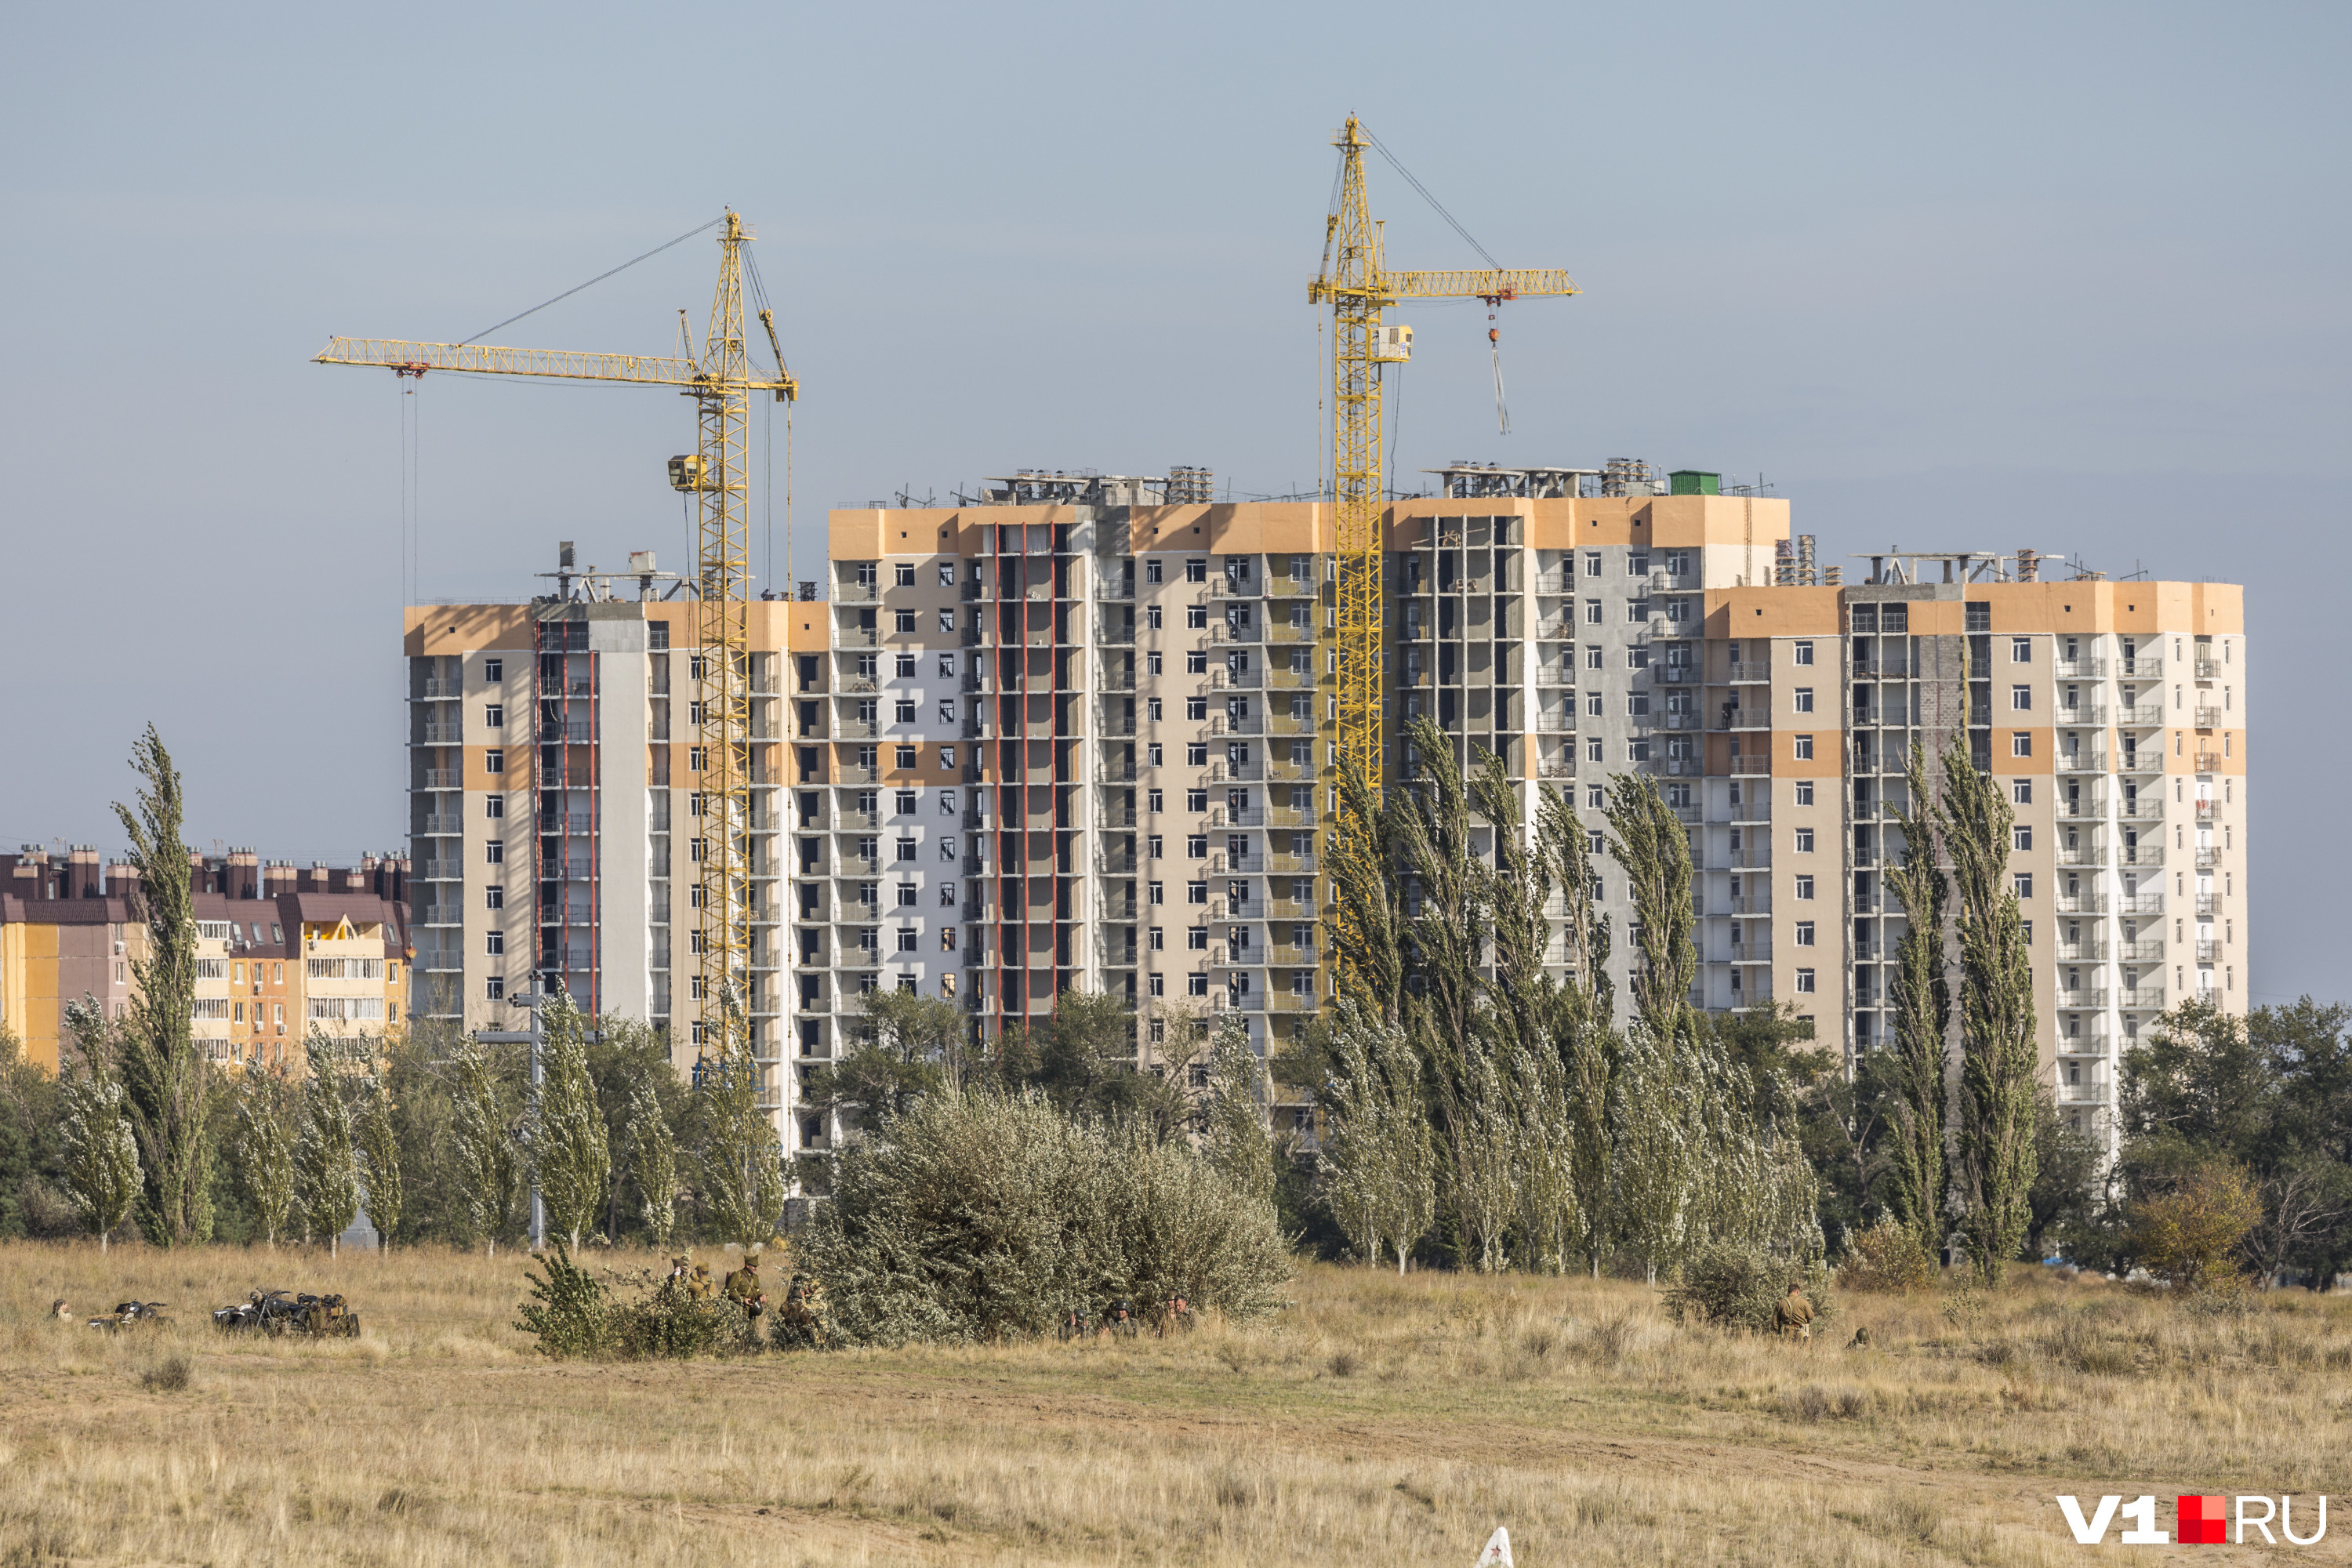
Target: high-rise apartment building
(555, 820)
(281, 949)
(1078, 736)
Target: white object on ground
(1499, 1551)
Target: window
(493, 898)
(1151, 617)
(494, 761)
(1804, 933)
(495, 944)
(1151, 572)
(1196, 939)
(494, 806)
(1804, 748)
(493, 850)
(2020, 792)
(907, 939)
(1196, 571)
(902, 620)
(1804, 979)
(1804, 791)
(1196, 662)
(1153, 847)
(2024, 884)
(1157, 940)
(493, 990)
(1196, 617)
(905, 710)
(1196, 893)
(1804, 841)
(2021, 745)
(1155, 892)
(1196, 985)
(1978, 615)
(1196, 755)
(1591, 611)
(1196, 707)
(1804, 653)
(694, 667)
(906, 757)
(494, 671)
(694, 756)
(1591, 657)
(1592, 701)
(494, 716)
(947, 712)
(2021, 650)
(906, 895)
(2021, 699)
(1196, 847)
(1196, 800)
(1637, 565)
(694, 849)
(2021, 838)
(1804, 699)
(1592, 564)
(947, 895)
(1593, 751)
(1637, 609)
(1804, 887)
(903, 665)
(2025, 929)
(947, 757)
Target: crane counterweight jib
(569, 365)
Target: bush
(975, 1216)
(1886, 1256)
(571, 1313)
(1737, 1287)
(2189, 1236)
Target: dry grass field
(1379, 1421)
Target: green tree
(1922, 994)
(1376, 1162)
(2067, 1166)
(570, 1149)
(742, 1160)
(1368, 923)
(482, 1143)
(653, 1149)
(379, 1146)
(263, 1152)
(1993, 1142)
(99, 1153)
(1649, 842)
(1235, 1137)
(326, 1156)
(906, 1046)
(168, 1086)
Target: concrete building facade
(280, 950)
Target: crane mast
(721, 384)
(1356, 284)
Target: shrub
(974, 1216)
(1739, 1286)
(1886, 1256)
(2189, 1236)
(571, 1312)
(667, 1323)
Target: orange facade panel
(465, 628)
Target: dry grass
(1381, 1420)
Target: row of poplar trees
(151, 1131)
(1471, 1096)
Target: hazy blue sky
(1958, 277)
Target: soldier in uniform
(744, 1289)
(1793, 1318)
(1122, 1320)
(679, 1274)
(802, 1321)
(698, 1285)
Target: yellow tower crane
(1357, 285)
(721, 384)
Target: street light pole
(532, 1036)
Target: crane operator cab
(688, 473)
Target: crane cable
(1494, 334)
(624, 267)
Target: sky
(2069, 277)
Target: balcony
(2206, 669)
(2082, 761)
(857, 636)
(856, 593)
(2140, 904)
(2140, 666)
(2086, 716)
(1749, 904)
(2208, 858)
(2211, 718)
(2090, 807)
(2090, 995)
(1222, 864)
(1224, 724)
(443, 778)
(1223, 772)
(442, 822)
(440, 735)
(2208, 952)
(2146, 998)
(2092, 1093)
(2145, 716)
(2083, 904)
(1554, 721)
(1742, 718)
(970, 637)
(2140, 855)
(2083, 855)
(1742, 672)
(1556, 768)
(2147, 950)
(1747, 766)
(2210, 762)
(435, 686)
(442, 870)
(1115, 588)
(1758, 857)
(2082, 669)
(2208, 810)
(1283, 632)
(1116, 863)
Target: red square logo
(2204, 1520)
